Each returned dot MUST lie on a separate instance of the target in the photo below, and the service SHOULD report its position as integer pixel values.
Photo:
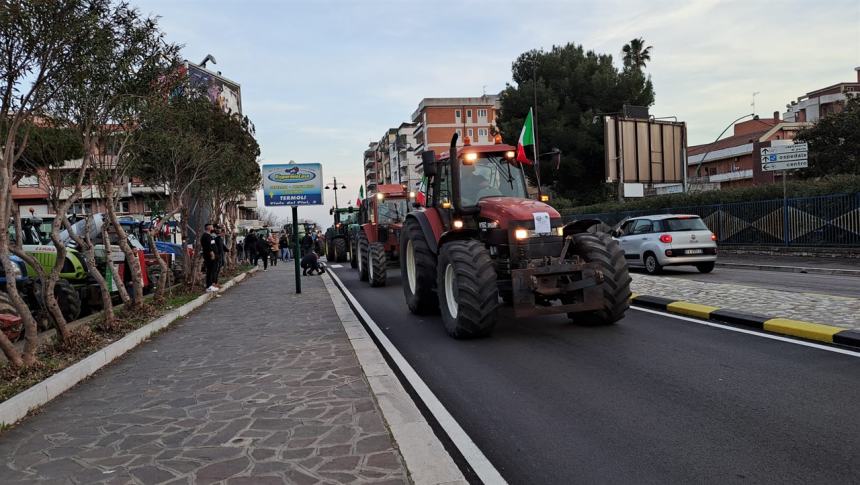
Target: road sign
(292, 184)
(784, 157)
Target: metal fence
(823, 221)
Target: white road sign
(784, 157)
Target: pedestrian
(221, 249)
(311, 263)
(210, 261)
(251, 248)
(263, 251)
(307, 244)
(240, 248)
(284, 243)
(273, 248)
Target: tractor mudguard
(459, 235)
(579, 226)
(428, 221)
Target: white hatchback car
(667, 240)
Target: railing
(823, 221)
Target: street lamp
(334, 186)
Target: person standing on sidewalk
(307, 245)
(210, 262)
(274, 248)
(284, 242)
(251, 248)
(262, 252)
(222, 250)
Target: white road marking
(476, 459)
(750, 332)
(336, 266)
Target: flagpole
(534, 128)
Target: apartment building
(371, 169)
(436, 120)
(822, 102)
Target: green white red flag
(527, 137)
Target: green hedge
(839, 184)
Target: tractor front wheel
(67, 298)
(417, 270)
(339, 249)
(468, 295)
(601, 248)
(377, 263)
(363, 246)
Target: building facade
(734, 161)
(822, 102)
(437, 119)
(371, 180)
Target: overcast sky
(320, 79)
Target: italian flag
(527, 137)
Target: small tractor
(337, 236)
(479, 237)
(378, 240)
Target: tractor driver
(475, 183)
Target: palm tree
(635, 54)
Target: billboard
(292, 184)
(644, 151)
(223, 92)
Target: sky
(322, 78)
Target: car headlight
(16, 271)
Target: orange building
(437, 119)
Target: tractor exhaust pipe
(455, 181)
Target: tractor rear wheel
(67, 298)
(339, 249)
(14, 332)
(363, 245)
(353, 249)
(377, 264)
(417, 270)
(468, 295)
(601, 248)
(153, 273)
(329, 252)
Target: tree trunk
(86, 247)
(120, 285)
(9, 350)
(48, 285)
(130, 255)
(165, 269)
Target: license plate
(694, 251)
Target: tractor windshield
(392, 211)
(490, 176)
(348, 217)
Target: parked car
(662, 240)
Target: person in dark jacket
(284, 244)
(311, 263)
(251, 248)
(263, 251)
(307, 244)
(210, 260)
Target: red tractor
(480, 238)
(378, 240)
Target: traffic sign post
(784, 157)
(293, 184)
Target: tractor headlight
(458, 224)
(521, 234)
(560, 230)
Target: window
(468, 114)
(122, 206)
(459, 133)
(457, 115)
(684, 224)
(482, 133)
(643, 226)
(482, 113)
(81, 208)
(470, 133)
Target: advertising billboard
(223, 92)
(644, 151)
(292, 184)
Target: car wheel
(652, 266)
(705, 267)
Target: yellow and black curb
(782, 326)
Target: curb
(425, 457)
(782, 326)
(16, 407)
(793, 269)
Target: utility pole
(535, 128)
(334, 186)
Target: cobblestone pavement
(259, 386)
(833, 310)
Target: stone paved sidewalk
(259, 386)
(812, 307)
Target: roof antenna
(208, 58)
(484, 93)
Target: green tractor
(337, 237)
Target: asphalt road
(652, 399)
(848, 286)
